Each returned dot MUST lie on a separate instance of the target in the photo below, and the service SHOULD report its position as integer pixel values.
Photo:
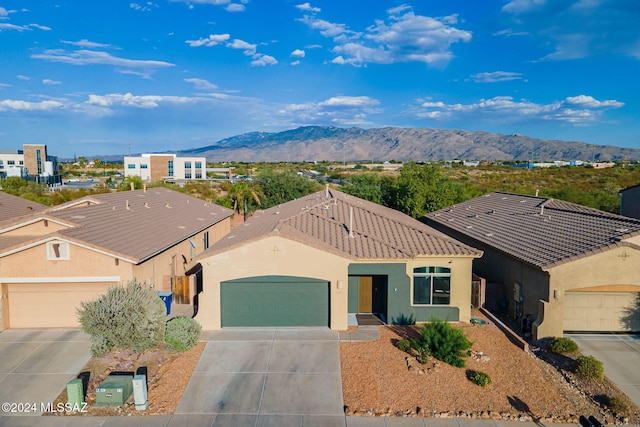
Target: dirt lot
(379, 379)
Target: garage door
(49, 305)
(275, 301)
(600, 311)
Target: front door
(365, 300)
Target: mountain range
(318, 143)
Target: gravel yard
(378, 379)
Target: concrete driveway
(268, 376)
(35, 365)
(620, 355)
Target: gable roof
(13, 206)
(540, 231)
(135, 225)
(322, 220)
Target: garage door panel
(597, 311)
(49, 305)
(302, 302)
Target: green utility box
(75, 393)
(114, 390)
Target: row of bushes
(134, 318)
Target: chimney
(351, 221)
(133, 186)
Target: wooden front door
(365, 300)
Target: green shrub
(617, 405)
(126, 318)
(588, 368)
(422, 349)
(480, 378)
(404, 345)
(445, 342)
(182, 333)
(563, 345)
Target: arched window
(431, 286)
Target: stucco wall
(614, 270)
(273, 256)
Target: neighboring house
(31, 163)
(14, 206)
(165, 167)
(630, 201)
(51, 259)
(314, 260)
(570, 267)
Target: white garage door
(49, 305)
(599, 311)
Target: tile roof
(135, 225)
(540, 231)
(13, 206)
(322, 220)
(138, 224)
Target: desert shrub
(422, 350)
(182, 333)
(617, 405)
(445, 342)
(480, 378)
(127, 318)
(563, 345)
(404, 345)
(588, 368)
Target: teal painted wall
(399, 308)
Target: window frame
(433, 274)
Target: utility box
(114, 390)
(75, 392)
(140, 392)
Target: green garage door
(274, 301)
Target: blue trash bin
(167, 298)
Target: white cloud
(577, 110)
(90, 57)
(130, 100)
(295, 63)
(212, 40)
(16, 105)
(298, 53)
(403, 37)
(21, 28)
(521, 6)
(85, 43)
(260, 60)
(349, 101)
(49, 82)
(3, 12)
(496, 76)
(235, 7)
(308, 8)
(338, 110)
(201, 84)
(21, 77)
(249, 49)
(143, 7)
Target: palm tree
(240, 194)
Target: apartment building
(31, 163)
(165, 167)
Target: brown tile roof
(540, 231)
(13, 206)
(138, 224)
(323, 221)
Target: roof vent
(622, 230)
(350, 221)
(489, 234)
(146, 205)
(126, 204)
(167, 206)
(326, 191)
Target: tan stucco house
(51, 259)
(317, 259)
(571, 268)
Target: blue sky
(95, 77)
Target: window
(170, 167)
(198, 175)
(187, 165)
(39, 161)
(131, 166)
(432, 285)
(57, 251)
(206, 240)
(187, 175)
(1, 164)
(11, 162)
(198, 165)
(144, 166)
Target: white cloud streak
(496, 76)
(90, 57)
(211, 40)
